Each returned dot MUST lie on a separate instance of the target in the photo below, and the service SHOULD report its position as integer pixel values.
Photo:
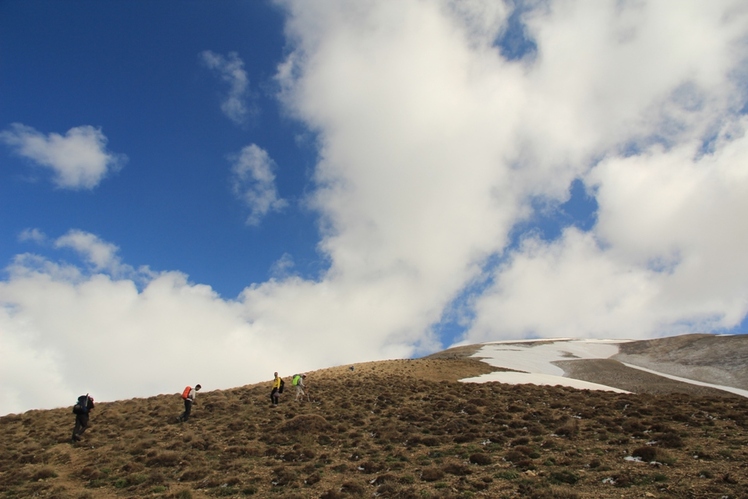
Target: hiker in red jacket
(189, 399)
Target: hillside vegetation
(395, 429)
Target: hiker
(298, 382)
(81, 410)
(188, 395)
(277, 389)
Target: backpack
(186, 392)
(296, 378)
(82, 406)
(283, 384)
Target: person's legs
(84, 424)
(274, 396)
(187, 409)
(76, 428)
(81, 423)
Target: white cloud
(283, 266)
(75, 331)
(230, 69)
(91, 333)
(666, 256)
(254, 183)
(32, 234)
(79, 159)
(101, 255)
(432, 146)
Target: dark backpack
(83, 405)
(283, 384)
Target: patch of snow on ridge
(515, 378)
(533, 358)
(534, 361)
(537, 357)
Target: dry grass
(399, 429)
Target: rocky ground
(719, 360)
(400, 429)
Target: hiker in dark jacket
(188, 401)
(81, 410)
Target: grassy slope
(395, 428)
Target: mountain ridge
(394, 429)
(713, 359)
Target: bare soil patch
(719, 360)
(613, 373)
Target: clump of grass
(480, 459)
(431, 474)
(563, 476)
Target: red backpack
(186, 393)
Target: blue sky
(139, 79)
(283, 186)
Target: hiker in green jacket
(298, 382)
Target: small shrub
(283, 476)
(563, 476)
(191, 475)
(369, 467)
(431, 474)
(646, 453)
(43, 474)
(163, 459)
(507, 475)
(352, 488)
(568, 430)
(386, 478)
(669, 440)
(480, 459)
(519, 441)
(456, 469)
